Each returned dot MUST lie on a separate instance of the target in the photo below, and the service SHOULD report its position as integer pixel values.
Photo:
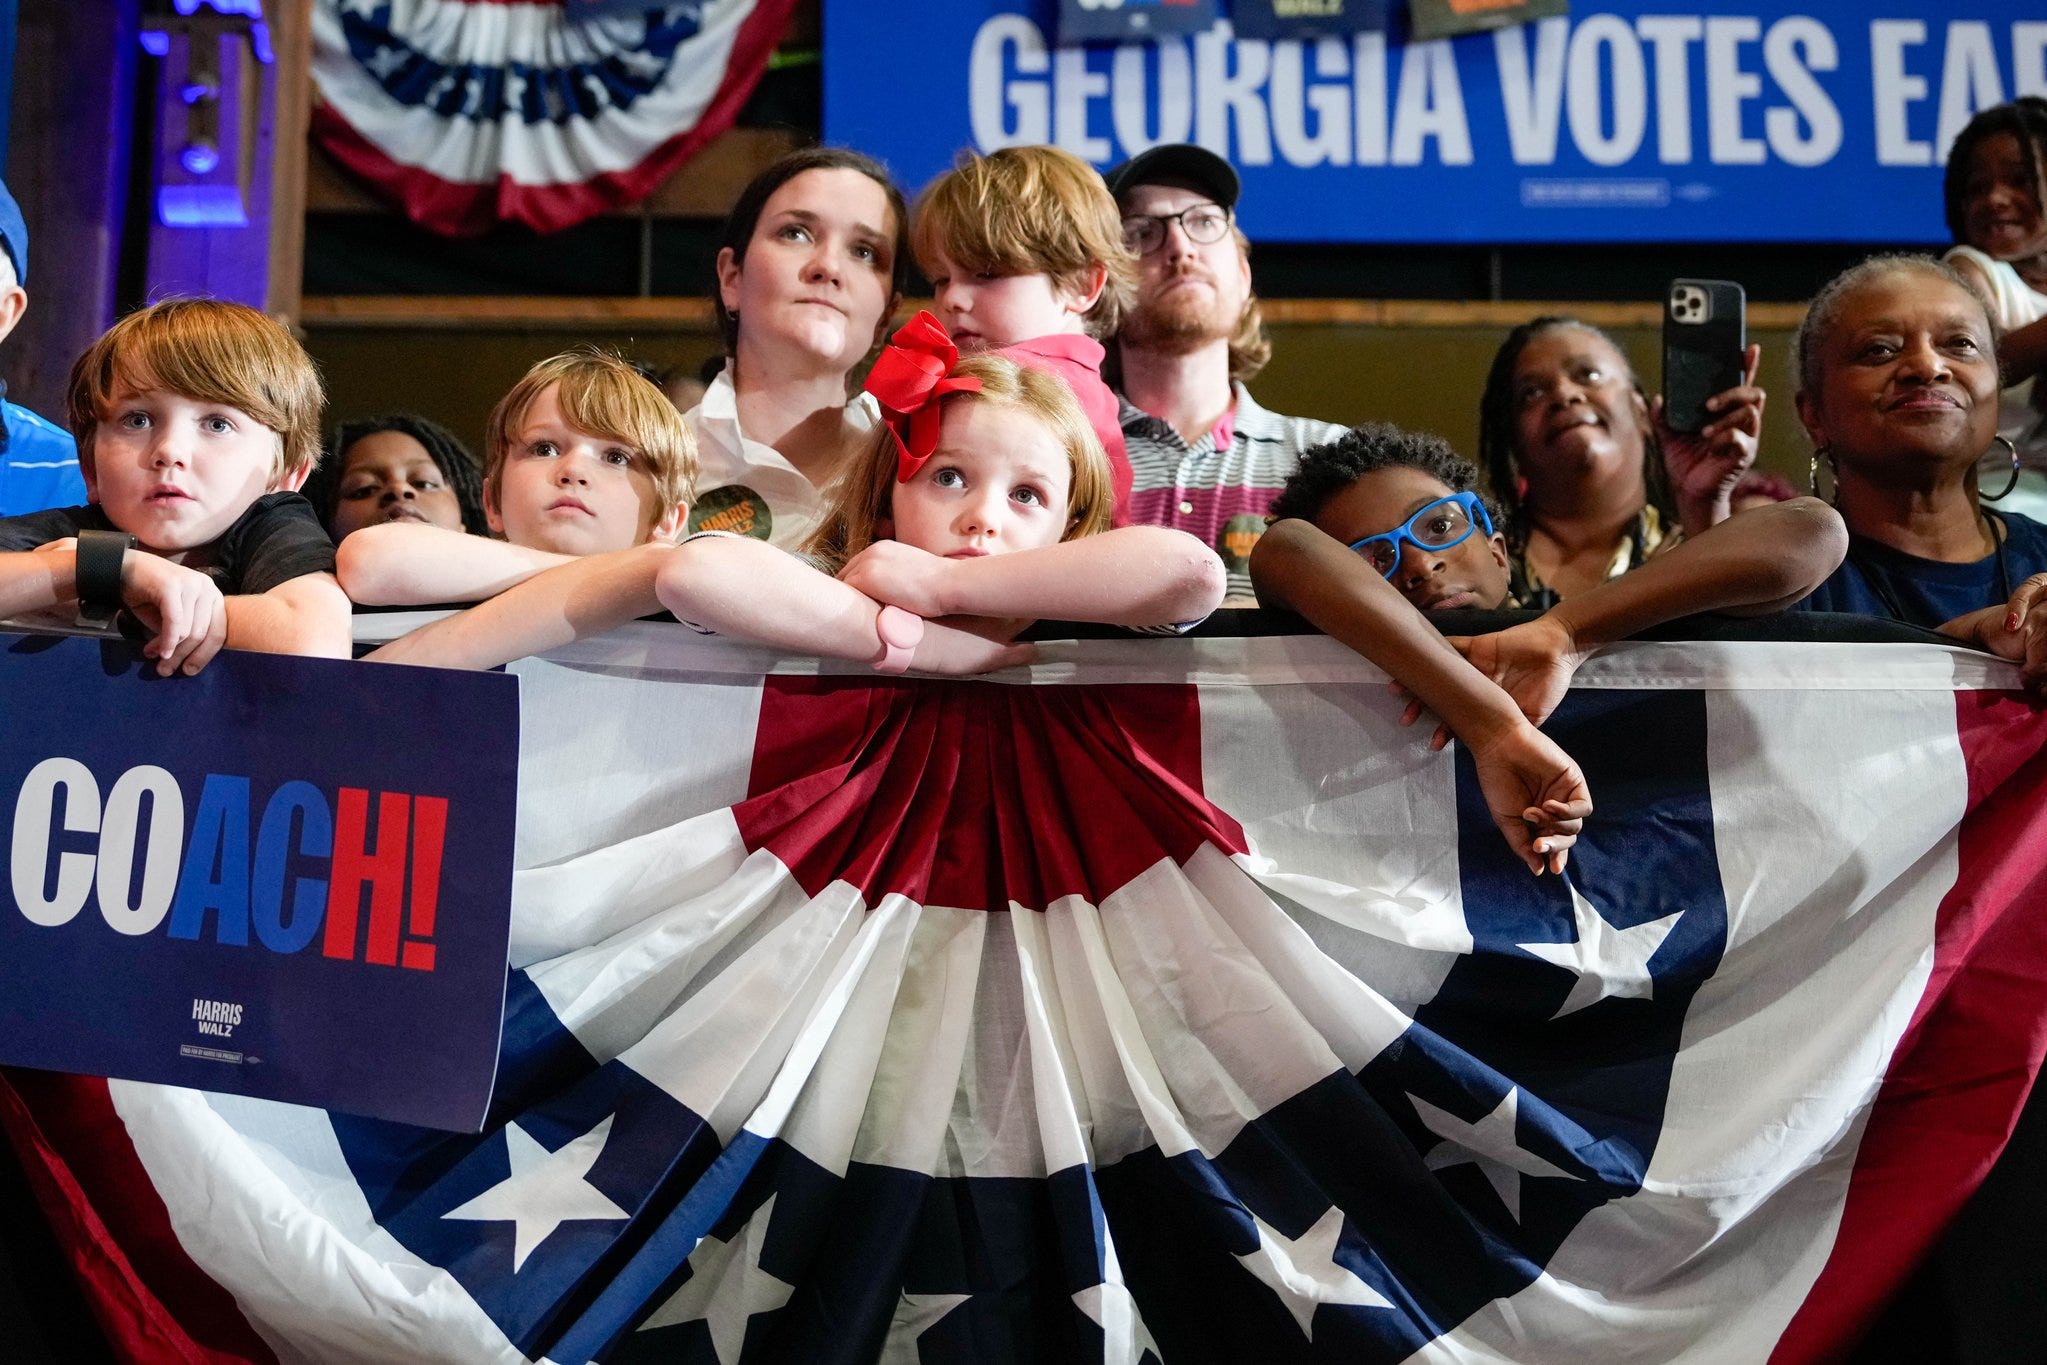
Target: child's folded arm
(307, 615)
(1536, 794)
(401, 565)
(737, 586)
(1137, 576)
(32, 580)
(1299, 567)
(581, 597)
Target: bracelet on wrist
(96, 572)
(901, 632)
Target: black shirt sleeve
(278, 539)
(33, 529)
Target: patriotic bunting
(1170, 1003)
(467, 113)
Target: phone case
(1705, 331)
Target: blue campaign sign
(1629, 120)
(287, 878)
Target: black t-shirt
(278, 539)
(1875, 580)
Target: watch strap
(96, 571)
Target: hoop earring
(1812, 473)
(2013, 482)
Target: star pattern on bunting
(1490, 1144)
(640, 63)
(915, 1315)
(1109, 1306)
(1304, 1271)
(726, 1287)
(1609, 961)
(544, 1189)
(383, 62)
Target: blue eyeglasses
(1438, 526)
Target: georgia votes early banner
(1628, 120)
(282, 877)
(1168, 1002)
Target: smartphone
(1705, 334)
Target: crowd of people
(1067, 435)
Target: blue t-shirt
(38, 464)
(1875, 580)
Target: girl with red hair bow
(983, 505)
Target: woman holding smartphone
(1592, 481)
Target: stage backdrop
(1169, 1002)
(1630, 120)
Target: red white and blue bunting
(467, 113)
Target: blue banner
(1626, 121)
(286, 878)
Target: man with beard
(1208, 460)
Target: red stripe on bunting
(455, 209)
(150, 1299)
(1962, 1069)
(975, 794)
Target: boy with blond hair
(196, 421)
(1024, 251)
(587, 473)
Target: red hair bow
(908, 380)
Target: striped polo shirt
(1219, 488)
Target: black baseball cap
(1178, 163)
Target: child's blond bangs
(208, 351)
(1027, 211)
(860, 497)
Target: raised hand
(1704, 466)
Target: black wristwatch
(96, 569)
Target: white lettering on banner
(1968, 82)
(1533, 98)
(2028, 59)
(1128, 102)
(1629, 89)
(994, 96)
(1368, 78)
(1893, 90)
(160, 859)
(217, 1012)
(1430, 105)
(1670, 37)
(1073, 85)
(1569, 71)
(1793, 50)
(1361, 104)
(1728, 87)
(29, 863)
(1228, 92)
(1293, 101)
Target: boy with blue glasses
(1382, 525)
